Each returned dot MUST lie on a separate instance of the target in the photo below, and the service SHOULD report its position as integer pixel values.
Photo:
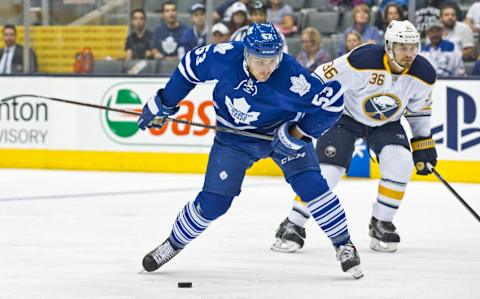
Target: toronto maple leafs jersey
(375, 96)
(243, 103)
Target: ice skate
(384, 236)
(289, 237)
(159, 256)
(350, 260)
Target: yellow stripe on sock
(398, 195)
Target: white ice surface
(83, 234)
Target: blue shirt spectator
(223, 12)
(361, 19)
(168, 33)
(476, 69)
(197, 35)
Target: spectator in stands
(391, 12)
(258, 14)
(197, 35)
(312, 54)
(168, 33)
(457, 32)
(281, 15)
(224, 11)
(139, 43)
(424, 16)
(352, 40)
(472, 18)
(348, 3)
(11, 56)
(239, 17)
(220, 33)
(361, 24)
(476, 68)
(444, 55)
(402, 3)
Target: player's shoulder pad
(368, 56)
(289, 63)
(227, 50)
(423, 70)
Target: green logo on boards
(121, 124)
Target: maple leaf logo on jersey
(169, 45)
(222, 48)
(239, 110)
(300, 85)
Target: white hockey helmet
(402, 32)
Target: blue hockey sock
(330, 216)
(188, 225)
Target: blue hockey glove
(423, 152)
(154, 113)
(285, 144)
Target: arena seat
(149, 68)
(166, 67)
(325, 21)
(107, 67)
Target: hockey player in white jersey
(382, 84)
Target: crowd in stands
(451, 35)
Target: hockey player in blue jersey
(259, 90)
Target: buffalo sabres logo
(381, 107)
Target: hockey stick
(221, 129)
(464, 203)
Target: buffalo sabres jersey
(375, 96)
(243, 103)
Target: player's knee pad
(309, 185)
(332, 173)
(213, 205)
(396, 163)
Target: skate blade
(356, 272)
(284, 246)
(381, 246)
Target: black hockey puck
(184, 284)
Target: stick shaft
(196, 124)
(464, 203)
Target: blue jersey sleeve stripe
(334, 108)
(181, 68)
(189, 67)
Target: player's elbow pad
(315, 125)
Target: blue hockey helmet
(263, 40)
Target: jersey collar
(386, 65)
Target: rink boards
(37, 133)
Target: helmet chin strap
(392, 59)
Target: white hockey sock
(330, 216)
(300, 213)
(389, 199)
(396, 166)
(188, 225)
